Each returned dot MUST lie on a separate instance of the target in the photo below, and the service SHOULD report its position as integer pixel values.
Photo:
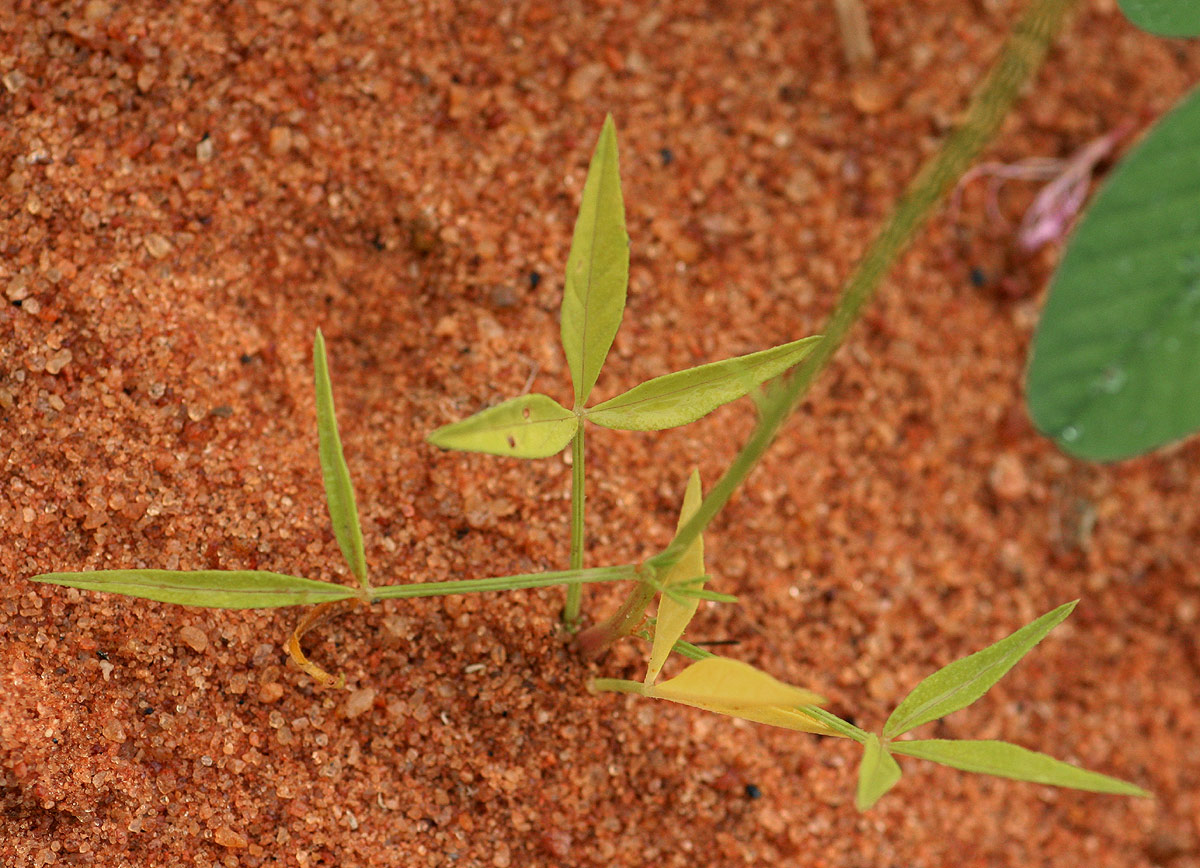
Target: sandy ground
(189, 190)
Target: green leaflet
(219, 589)
(877, 773)
(531, 426)
(962, 682)
(1115, 366)
(1164, 17)
(684, 396)
(597, 268)
(674, 614)
(339, 490)
(1010, 761)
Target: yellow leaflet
(730, 687)
(788, 718)
(674, 616)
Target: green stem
(575, 592)
(617, 685)
(1021, 56)
(571, 578)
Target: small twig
(856, 33)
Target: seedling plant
(536, 426)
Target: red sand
(188, 193)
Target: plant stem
(574, 602)
(571, 578)
(616, 685)
(1022, 54)
(593, 641)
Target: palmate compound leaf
(878, 772)
(673, 614)
(339, 490)
(597, 268)
(531, 426)
(218, 589)
(962, 682)
(1006, 760)
(684, 396)
(1115, 366)
(1164, 17)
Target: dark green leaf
(684, 396)
(532, 426)
(1115, 368)
(962, 682)
(339, 491)
(597, 268)
(877, 773)
(1164, 17)
(218, 589)
(1010, 761)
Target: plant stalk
(1020, 57)
(574, 604)
(624, 572)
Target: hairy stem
(575, 592)
(625, 572)
(1021, 56)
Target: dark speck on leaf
(512, 443)
(753, 792)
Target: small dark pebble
(978, 278)
(223, 411)
(148, 710)
(246, 358)
(753, 792)
(534, 279)
(667, 156)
